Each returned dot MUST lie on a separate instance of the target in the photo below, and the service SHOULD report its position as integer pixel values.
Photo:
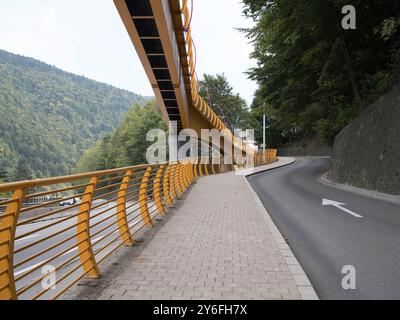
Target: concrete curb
(247, 172)
(360, 191)
(303, 283)
(276, 165)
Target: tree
(127, 146)
(3, 176)
(230, 107)
(22, 171)
(50, 117)
(132, 136)
(313, 76)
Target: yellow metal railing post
(187, 175)
(184, 177)
(172, 181)
(191, 173)
(143, 198)
(212, 166)
(85, 249)
(206, 167)
(185, 184)
(188, 179)
(166, 187)
(8, 225)
(194, 168)
(123, 226)
(200, 167)
(178, 177)
(157, 191)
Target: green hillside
(49, 117)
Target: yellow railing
(46, 248)
(269, 156)
(198, 102)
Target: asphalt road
(327, 238)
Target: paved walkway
(219, 244)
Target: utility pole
(264, 131)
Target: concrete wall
(366, 153)
(305, 148)
(305, 151)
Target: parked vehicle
(70, 202)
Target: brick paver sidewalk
(219, 244)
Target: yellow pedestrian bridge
(106, 209)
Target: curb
(260, 170)
(302, 281)
(363, 192)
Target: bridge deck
(218, 243)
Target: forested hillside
(49, 117)
(314, 76)
(126, 146)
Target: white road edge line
(17, 273)
(27, 238)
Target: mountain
(49, 117)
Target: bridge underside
(157, 32)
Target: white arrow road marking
(339, 205)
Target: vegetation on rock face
(314, 77)
(49, 117)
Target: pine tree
(22, 171)
(3, 176)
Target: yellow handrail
(114, 206)
(198, 102)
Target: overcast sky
(87, 37)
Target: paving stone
(220, 243)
